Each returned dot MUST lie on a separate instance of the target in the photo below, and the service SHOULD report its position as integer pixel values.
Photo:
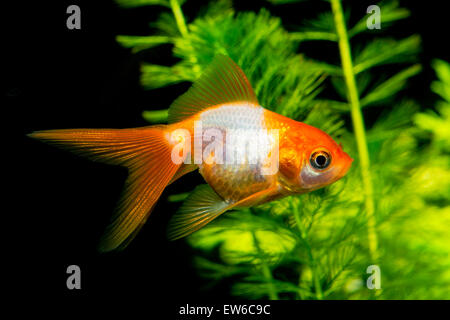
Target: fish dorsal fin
(222, 82)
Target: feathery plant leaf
(140, 43)
(442, 87)
(390, 86)
(386, 51)
(439, 123)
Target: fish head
(323, 161)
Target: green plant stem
(312, 261)
(272, 292)
(182, 27)
(179, 17)
(358, 125)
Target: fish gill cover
(392, 210)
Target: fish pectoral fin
(204, 205)
(201, 207)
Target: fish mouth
(347, 163)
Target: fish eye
(320, 160)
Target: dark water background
(57, 205)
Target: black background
(56, 205)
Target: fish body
(247, 155)
(237, 181)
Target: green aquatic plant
(390, 210)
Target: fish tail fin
(146, 153)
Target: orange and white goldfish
(220, 101)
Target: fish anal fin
(223, 82)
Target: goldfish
(248, 155)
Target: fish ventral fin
(201, 207)
(146, 154)
(222, 82)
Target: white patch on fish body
(243, 134)
(234, 116)
(247, 146)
